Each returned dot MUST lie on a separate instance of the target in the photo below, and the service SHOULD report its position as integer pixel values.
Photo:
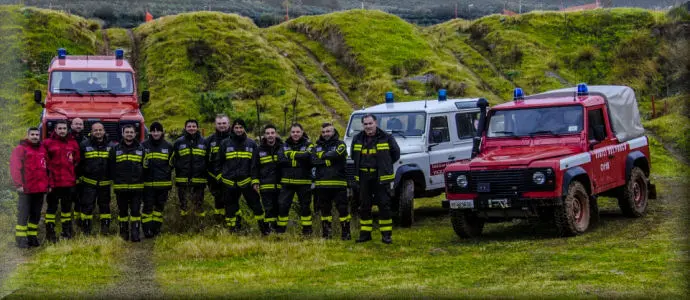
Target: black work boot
(364, 236)
(136, 228)
(386, 237)
(86, 227)
(50, 233)
(326, 231)
(148, 229)
(345, 231)
(33, 241)
(105, 226)
(22, 242)
(66, 230)
(238, 224)
(264, 227)
(306, 230)
(124, 230)
(157, 228)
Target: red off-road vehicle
(94, 88)
(549, 156)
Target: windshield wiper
(400, 132)
(544, 132)
(102, 91)
(71, 90)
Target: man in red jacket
(63, 157)
(30, 178)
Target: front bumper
(484, 202)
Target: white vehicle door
(465, 130)
(441, 149)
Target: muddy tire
(406, 203)
(633, 198)
(466, 224)
(572, 218)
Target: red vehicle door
(603, 148)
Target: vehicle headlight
(461, 181)
(539, 177)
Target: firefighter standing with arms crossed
(236, 156)
(127, 164)
(30, 178)
(189, 161)
(63, 157)
(295, 161)
(374, 152)
(157, 179)
(95, 181)
(329, 156)
(267, 170)
(215, 185)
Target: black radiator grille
(499, 182)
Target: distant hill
(130, 13)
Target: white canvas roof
(622, 106)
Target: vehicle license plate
(498, 203)
(459, 204)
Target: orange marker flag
(149, 16)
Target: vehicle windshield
(536, 121)
(403, 123)
(86, 82)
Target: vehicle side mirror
(38, 97)
(145, 95)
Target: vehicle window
(536, 121)
(407, 123)
(467, 124)
(438, 130)
(69, 82)
(596, 121)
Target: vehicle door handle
(451, 157)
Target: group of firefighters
(72, 168)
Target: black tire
(466, 224)
(633, 198)
(573, 217)
(406, 203)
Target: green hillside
(198, 64)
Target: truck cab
(550, 156)
(94, 88)
(431, 134)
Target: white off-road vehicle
(431, 134)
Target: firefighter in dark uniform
(94, 176)
(267, 170)
(236, 154)
(189, 161)
(329, 156)
(295, 161)
(374, 152)
(215, 168)
(127, 163)
(157, 179)
(77, 133)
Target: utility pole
(362, 5)
(456, 10)
(520, 11)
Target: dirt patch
(138, 280)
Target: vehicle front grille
(499, 182)
(112, 129)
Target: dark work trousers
(76, 200)
(216, 188)
(232, 203)
(288, 191)
(194, 193)
(62, 196)
(129, 205)
(28, 214)
(154, 203)
(91, 195)
(269, 198)
(324, 201)
(370, 191)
